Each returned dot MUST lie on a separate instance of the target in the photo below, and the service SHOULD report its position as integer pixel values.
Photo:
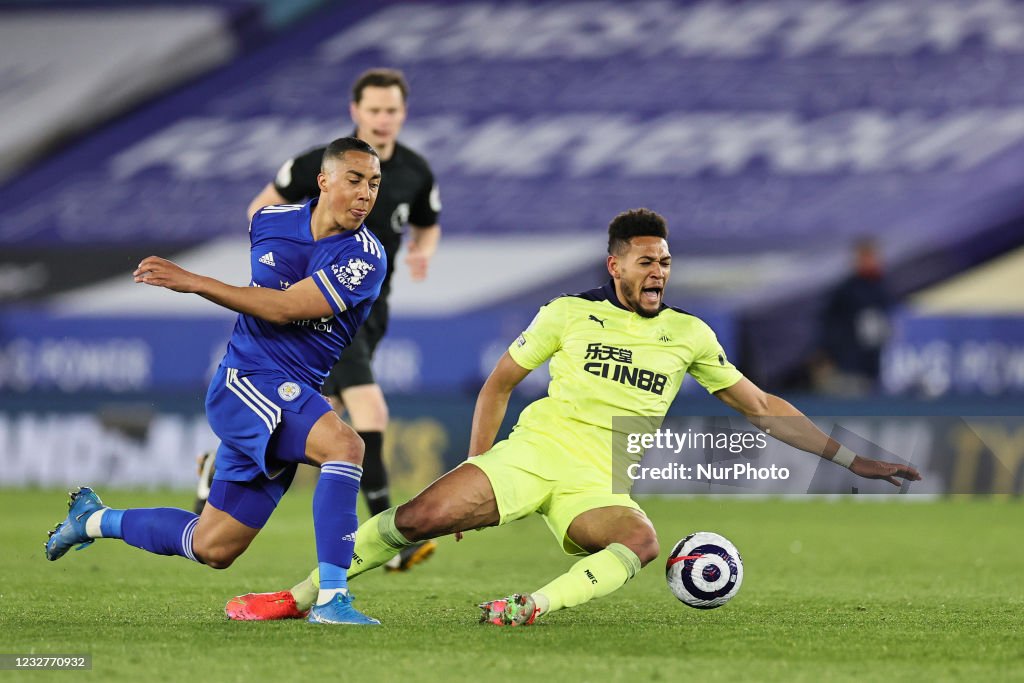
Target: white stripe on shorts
(257, 402)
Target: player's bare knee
(351, 449)
(217, 563)
(418, 519)
(410, 519)
(644, 543)
(215, 557)
(650, 553)
(344, 445)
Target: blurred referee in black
(408, 197)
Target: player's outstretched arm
(492, 402)
(780, 419)
(491, 406)
(301, 301)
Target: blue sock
(335, 521)
(110, 524)
(163, 531)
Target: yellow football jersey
(607, 361)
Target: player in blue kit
(316, 271)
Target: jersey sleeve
(296, 179)
(542, 338)
(351, 277)
(710, 367)
(426, 207)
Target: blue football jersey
(348, 268)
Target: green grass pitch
(849, 590)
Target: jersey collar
(609, 293)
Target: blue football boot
(340, 611)
(71, 531)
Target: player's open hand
(160, 272)
(876, 469)
(417, 262)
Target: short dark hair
(379, 78)
(337, 149)
(634, 223)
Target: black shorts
(355, 367)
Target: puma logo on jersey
(597, 320)
(268, 259)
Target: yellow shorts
(530, 475)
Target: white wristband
(844, 456)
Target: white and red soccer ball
(704, 570)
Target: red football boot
(264, 607)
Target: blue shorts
(250, 502)
(263, 420)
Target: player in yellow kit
(614, 351)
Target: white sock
(92, 524)
(327, 594)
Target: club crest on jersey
(289, 391)
(353, 273)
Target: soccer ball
(704, 570)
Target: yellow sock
(595, 576)
(306, 591)
(377, 541)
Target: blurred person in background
(854, 327)
(408, 197)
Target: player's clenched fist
(160, 272)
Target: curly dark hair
(634, 223)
